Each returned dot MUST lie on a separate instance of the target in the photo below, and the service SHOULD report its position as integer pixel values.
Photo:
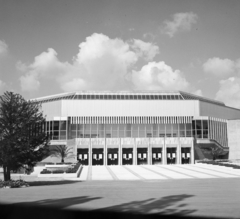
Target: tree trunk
(62, 160)
(6, 173)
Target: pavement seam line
(134, 173)
(199, 171)
(168, 177)
(179, 172)
(113, 175)
(89, 176)
(219, 171)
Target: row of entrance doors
(127, 156)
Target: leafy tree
(23, 141)
(61, 151)
(216, 151)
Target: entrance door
(97, 156)
(171, 155)
(186, 155)
(82, 155)
(112, 158)
(142, 154)
(127, 156)
(156, 156)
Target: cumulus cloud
(220, 67)
(229, 92)
(103, 64)
(159, 76)
(180, 22)
(146, 50)
(45, 65)
(29, 82)
(3, 47)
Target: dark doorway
(97, 156)
(186, 155)
(82, 156)
(112, 158)
(127, 156)
(156, 156)
(171, 155)
(142, 154)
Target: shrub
(57, 171)
(13, 183)
(74, 169)
(45, 171)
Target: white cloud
(29, 82)
(3, 47)
(146, 50)
(159, 76)
(103, 64)
(229, 92)
(180, 22)
(219, 67)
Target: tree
(61, 151)
(23, 141)
(216, 151)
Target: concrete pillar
(164, 154)
(105, 153)
(149, 153)
(119, 153)
(135, 153)
(90, 154)
(178, 153)
(192, 153)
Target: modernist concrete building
(155, 127)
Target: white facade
(136, 127)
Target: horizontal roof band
(124, 95)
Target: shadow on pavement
(51, 183)
(59, 203)
(164, 205)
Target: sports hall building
(140, 127)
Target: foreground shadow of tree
(164, 205)
(59, 203)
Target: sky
(50, 47)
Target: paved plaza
(189, 190)
(157, 172)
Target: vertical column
(90, 154)
(192, 153)
(135, 152)
(105, 153)
(119, 152)
(164, 153)
(179, 153)
(149, 153)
